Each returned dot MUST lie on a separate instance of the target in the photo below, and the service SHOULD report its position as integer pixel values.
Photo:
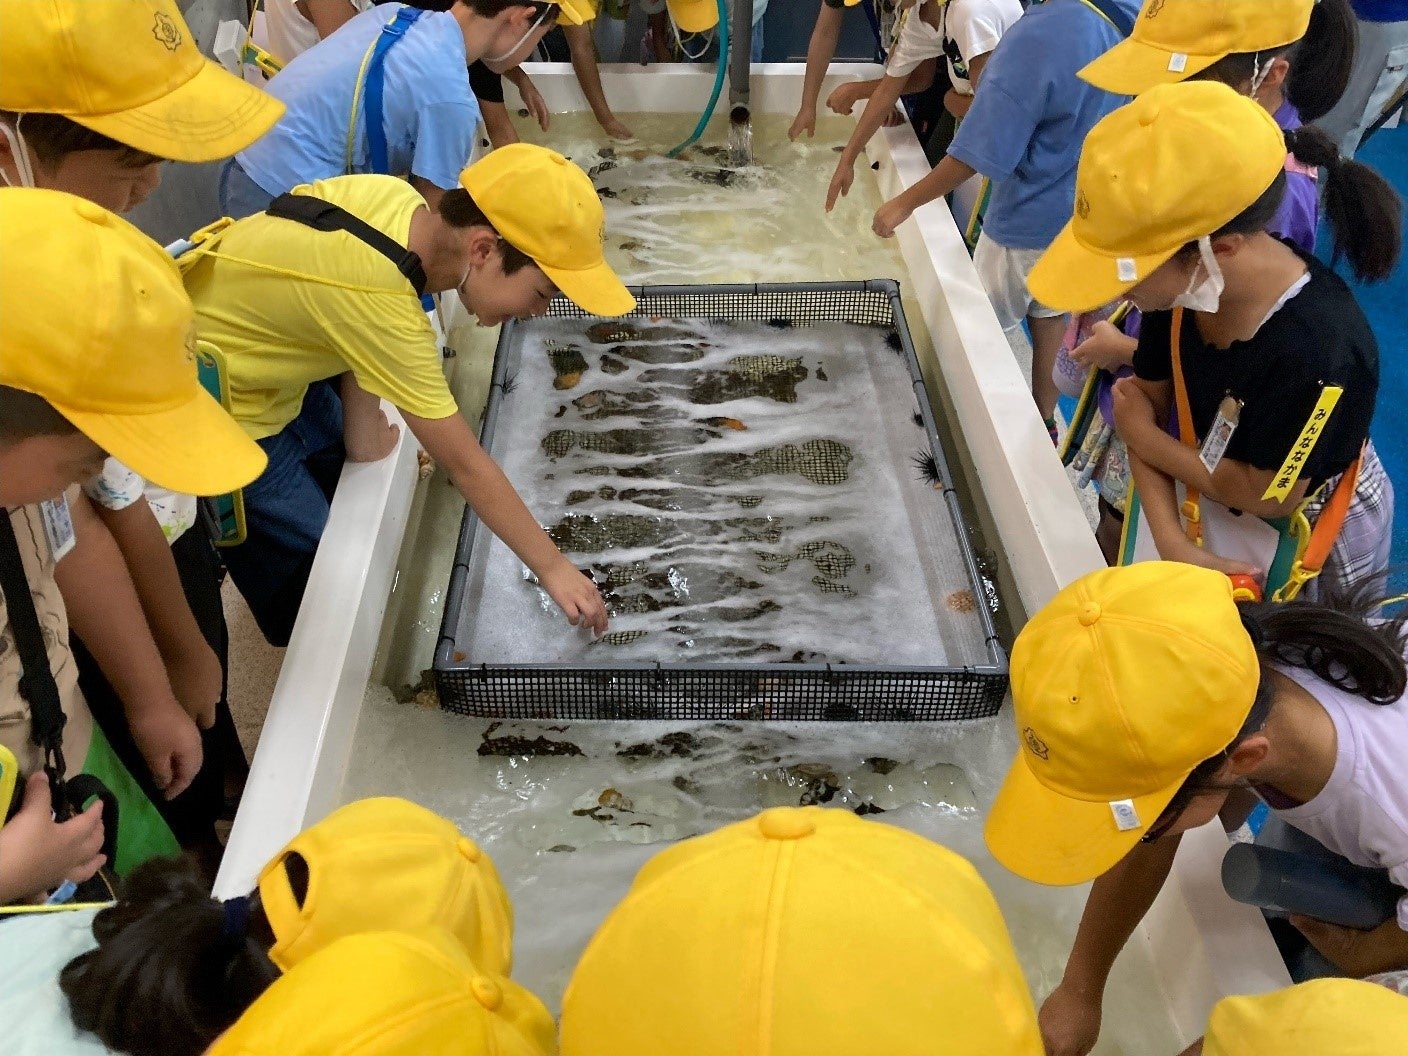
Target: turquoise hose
(718, 83)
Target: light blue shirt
(430, 112)
(1030, 117)
(34, 1014)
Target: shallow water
(568, 832)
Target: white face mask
(19, 150)
(1204, 296)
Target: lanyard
(371, 83)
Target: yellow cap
(802, 932)
(694, 16)
(1325, 1017)
(547, 208)
(130, 70)
(98, 324)
(391, 994)
(1124, 682)
(1171, 167)
(576, 12)
(1175, 39)
(387, 863)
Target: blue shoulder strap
(376, 86)
(1115, 15)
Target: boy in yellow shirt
(290, 305)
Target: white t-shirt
(967, 29)
(33, 1010)
(1362, 812)
(118, 487)
(289, 33)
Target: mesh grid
(762, 692)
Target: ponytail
(1365, 212)
(1336, 642)
(1322, 60)
(173, 968)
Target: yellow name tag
(1290, 470)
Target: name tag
(58, 526)
(1220, 435)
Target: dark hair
(24, 415)
(460, 210)
(173, 968)
(1364, 211)
(1320, 61)
(53, 137)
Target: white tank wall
(1204, 945)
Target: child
(1174, 195)
(69, 394)
(289, 305)
(134, 973)
(963, 32)
(1327, 1017)
(49, 97)
(802, 932)
(1301, 703)
(429, 115)
(1024, 133)
(294, 26)
(392, 994)
(821, 48)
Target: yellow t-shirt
(289, 305)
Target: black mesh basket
(730, 691)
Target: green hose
(718, 83)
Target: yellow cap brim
(195, 449)
(1132, 67)
(1049, 838)
(211, 116)
(1071, 278)
(596, 290)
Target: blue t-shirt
(34, 1013)
(1031, 115)
(430, 113)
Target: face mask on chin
(1205, 295)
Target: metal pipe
(740, 121)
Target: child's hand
(169, 742)
(889, 216)
(1107, 348)
(538, 110)
(37, 853)
(1184, 550)
(841, 182)
(576, 596)
(197, 681)
(1357, 953)
(372, 440)
(845, 96)
(1070, 1022)
(805, 121)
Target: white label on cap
(1128, 270)
(1177, 62)
(1126, 817)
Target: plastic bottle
(1333, 890)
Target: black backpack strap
(324, 216)
(37, 683)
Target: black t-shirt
(1319, 337)
(487, 86)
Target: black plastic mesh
(762, 692)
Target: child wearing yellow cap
(1327, 1017)
(135, 976)
(1024, 133)
(821, 49)
(289, 305)
(1174, 194)
(802, 932)
(116, 378)
(73, 119)
(392, 994)
(962, 32)
(1303, 704)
